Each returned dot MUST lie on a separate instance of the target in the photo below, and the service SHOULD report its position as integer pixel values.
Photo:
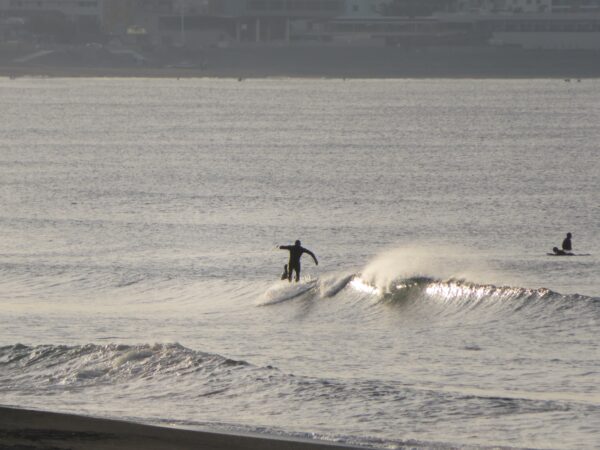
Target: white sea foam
(427, 260)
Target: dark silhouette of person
(296, 252)
(566, 244)
(559, 252)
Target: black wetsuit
(296, 252)
(566, 245)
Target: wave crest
(78, 366)
(462, 296)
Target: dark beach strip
(35, 430)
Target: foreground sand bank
(35, 430)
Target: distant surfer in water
(566, 247)
(296, 252)
(566, 244)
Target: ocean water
(139, 268)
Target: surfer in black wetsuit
(296, 252)
(566, 244)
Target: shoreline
(14, 73)
(330, 63)
(42, 430)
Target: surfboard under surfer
(559, 252)
(296, 252)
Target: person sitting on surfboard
(296, 252)
(566, 244)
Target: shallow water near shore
(139, 269)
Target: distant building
(531, 24)
(60, 20)
(526, 6)
(425, 7)
(284, 8)
(87, 10)
(503, 6)
(575, 6)
(215, 22)
(548, 24)
(199, 23)
(573, 31)
(11, 29)
(365, 8)
(118, 16)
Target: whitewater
(139, 260)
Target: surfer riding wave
(296, 252)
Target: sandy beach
(36, 430)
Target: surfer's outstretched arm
(285, 247)
(313, 256)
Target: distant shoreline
(22, 428)
(337, 62)
(104, 72)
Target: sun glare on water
(361, 286)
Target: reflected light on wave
(448, 291)
(475, 293)
(361, 286)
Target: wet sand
(22, 429)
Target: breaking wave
(434, 296)
(172, 372)
(69, 367)
(463, 295)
